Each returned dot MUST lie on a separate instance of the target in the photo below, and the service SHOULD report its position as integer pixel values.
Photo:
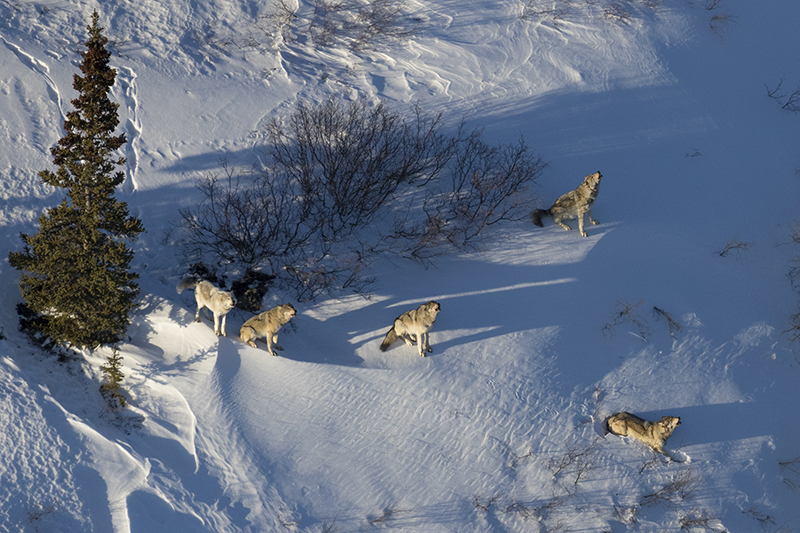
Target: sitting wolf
(413, 326)
(573, 205)
(207, 295)
(652, 434)
(267, 325)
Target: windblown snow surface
(501, 428)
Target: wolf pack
(413, 326)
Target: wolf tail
(187, 283)
(390, 339)
(247, 333)
(536, 216)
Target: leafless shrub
(695, 153)
(793, 467)
(38, 511)
(482, 186)
(521, 510)
(734, 246)
(387, 515)
(793, 332)
(514, 457)
(681, 487)
(673, 325)
(358, 25)
(560, 10)
(767, 522)
(626, 514)
(338, 186)
(719, 20)
(544, 513)
(626, 312)
(700, 519)
(579, 461)
(616, 11)
(331, 527)
(534, 9)
(790, 101)
(484, 504)
(655, 459)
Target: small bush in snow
(790, 101)
(626, 312)
(112, 371)
(681, 487)
(344, 182)
(358, 25)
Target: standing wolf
(573, 204)
(267, 325)
(207, 295)
(653, 434)
(414, 326)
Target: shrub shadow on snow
(490, 301)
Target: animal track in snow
(126, 85)
(42, 69)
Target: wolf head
(432, 307)
(593, 180)
(226, 300)
(287, 311)
(669, 423)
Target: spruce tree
(112, 371)
(75, 271)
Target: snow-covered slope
(501, 427)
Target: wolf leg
(409, 340)
(559, 220)
(580, 225)
(424, 345)
(275, 343)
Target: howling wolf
(267, 325)
(573, 205)
(210, 297)
(413, 326)
(652, 434)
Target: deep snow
(334, 435)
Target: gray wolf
(267, 325)
(207, 295)
(413, 326)
(652, 434)
(573, 205)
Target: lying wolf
(207, 295)
(573, 205)
(413, 326)
(267, 325)
(652, 434)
